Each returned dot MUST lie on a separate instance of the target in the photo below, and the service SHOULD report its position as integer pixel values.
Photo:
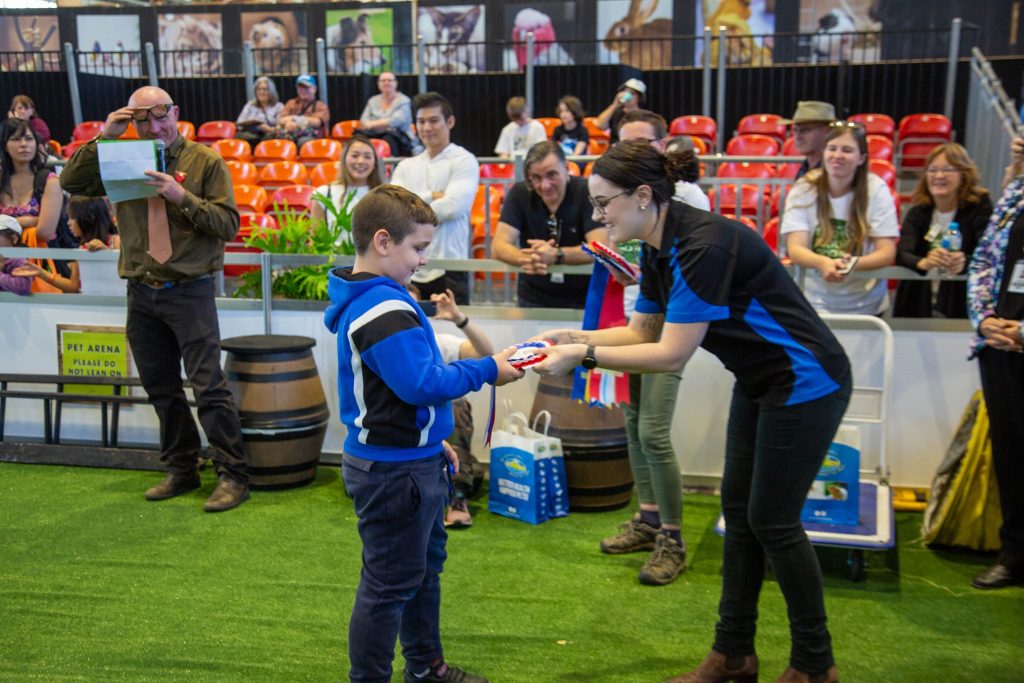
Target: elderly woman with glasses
(839, 218)
(949, 192)
(258, 118)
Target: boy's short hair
(391, 208)
(515, 107)
(425, 100)
(657, 121)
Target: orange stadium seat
(129, 133)
(549, 123)
(320, 150)
(343, 130)
(250, 198)
(280, 173)
(875, 124)
(55, 147)
(243, 172)
(762, 124)
(215, 130)
(274, 150)
(703, 127)
(187, 130)
(753, 145)
(598, 146)
(232, 148)
(590, 123)
(323, 173)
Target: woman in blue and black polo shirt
(712, 282)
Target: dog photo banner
(279, 41)
(843, 30)
(359, 41)
(190, 44)
(454, 37)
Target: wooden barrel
(594, 444)
(281, 405)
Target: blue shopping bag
(527, 473)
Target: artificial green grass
(96, 584)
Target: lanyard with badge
(555, 233)
(1016, 284)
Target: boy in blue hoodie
(395, 396)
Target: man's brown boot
(228, 494)
(791, 675)
(717, 668)
(174, 484)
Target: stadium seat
(55, 147)
(771, 234)
(87, 130)
(343, 130)
(497, 171)
(573, 168)
(762, 124)
(598, 146)
(700, 145)
(215, 130)
(884, 170)
(789, 170)
(250, 198)
(875, 124)
(588, 169)
(750, 198)
(290, 198)
(320, 150)
(590, 122)
(918, 134)
(703, 127)
(879, 147)
(746, 169)
(243, 172)
(745, 220)
(549, 123)
(130, 133)
(382, 148)
(752, 145)
(69, 149)
(187, 130)
(250, 222)
(323, 173)
(269, 151)
(232, 148)
(280, 173)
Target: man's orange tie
(159, 230)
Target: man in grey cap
(628, 97)
(810, 126)
(304, 117)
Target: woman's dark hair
(632, 164)
(13, 128)
(92, 214)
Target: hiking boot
(446, 673)
(458, 516)
(228, 494)
(174, 484)
(666, 562)
(633, 537)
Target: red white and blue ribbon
(604, 308)
(524, 357)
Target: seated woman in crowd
(92, 223)
(839, 218)
(304, 117)
(358, 173)
(258, 119)
(571, 134)
(28, 191)
(14, 277)
(948, 192)
(388, 116)
(22, 107)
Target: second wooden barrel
(282, 407)
(594, 444)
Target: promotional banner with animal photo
(551, 23)
(24, 37)
(279, 41)
(844, 31)
(635, 32)
(454, 36)
(749, 30)
(109, 44)
(359, 40)
(190, 44)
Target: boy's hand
(506, 373)
(447, 309)
(452, 456)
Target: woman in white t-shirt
(358, 173)
(841, 218)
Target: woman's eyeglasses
(601, 205)
(941, 170)
(154, 112)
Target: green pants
(649, 438)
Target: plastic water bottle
(952, 241)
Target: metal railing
(992, 122)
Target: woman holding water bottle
(842, 218)
(950, 206)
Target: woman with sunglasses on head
(711, 282)
(948, 192)
(842, 218)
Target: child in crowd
(571, 135)
(22, 107)
(13, 277)
(395, 396)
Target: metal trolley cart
(871, 356)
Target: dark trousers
(400, 506)
(1002, 383)
(457, 282)
(771, 458)
(168, 327)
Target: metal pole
(529, 72)
(76, 100)
(267, 275)
(421, 63)
(151, 65)
(954, 54)
(720, 109)
(706, 85)
(321, 70)
(249, 67)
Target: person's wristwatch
(589, 362)
(559, 257)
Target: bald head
(161, 122)
(148, 96)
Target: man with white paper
(172, 243)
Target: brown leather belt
(167, 284)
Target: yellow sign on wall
(92, 351)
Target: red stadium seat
(232, 148)
(750, 198)
(879, 147)
(243, 172)
(320, 150)
(215, 130)
(549, 123)
(69, 149)
(762, 124)
(703, 127)
(884, 170)
(250, 198)
(752, 145)
(382, 148)
(746, 169)
(789, 148)
(274, 150)
(771, 234)
(323, 174)
(497, 171)
(343, 130)
(187, 130)
(745, 220)
(250, 222)
(918, 135)
(280, 173)
(875, 124)
(291, 198)
(87, 130)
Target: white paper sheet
(122, 168)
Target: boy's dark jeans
(771, 458)
(400, 506)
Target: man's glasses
(154, 112)
(601, 205)
(845, 124)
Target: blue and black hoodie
(394, 389)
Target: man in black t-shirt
(543, 221)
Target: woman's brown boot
(717, 668)
(791, 675)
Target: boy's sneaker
(446, 673)
(666, 562)
(458, 516)
(633, 537)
